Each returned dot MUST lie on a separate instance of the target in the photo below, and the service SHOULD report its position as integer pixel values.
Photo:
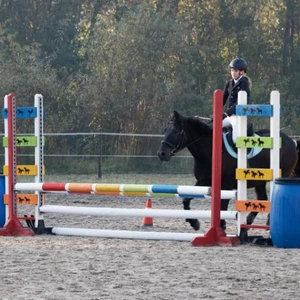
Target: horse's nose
(161, 155)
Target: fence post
(100, 143)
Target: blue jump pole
(2, 206)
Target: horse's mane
(204, 127)
(195, 123)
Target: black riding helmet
(238, 64)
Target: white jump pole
(275, 134)
(39, 153)
(134, 212)
(242, 160)
(125, 234)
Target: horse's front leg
(186, 206)
(194, 222)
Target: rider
(239, 82)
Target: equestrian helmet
(238, 64)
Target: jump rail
(125, 234)
(124, 189)
(134, 212)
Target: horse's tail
(296, 172)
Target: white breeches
(231, 121)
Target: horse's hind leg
(224, 206)
(186, 206)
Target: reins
(175, 148)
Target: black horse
(196, 135)
(296, 171)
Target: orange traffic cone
(146, 220)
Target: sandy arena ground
(58, 267)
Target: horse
(296, 171)
(196, 135)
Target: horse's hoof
(223, 224)
(244, 236)
(194, 223)
(268, 220)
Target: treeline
(124, 66)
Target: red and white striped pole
(13, 226)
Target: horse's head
(174, 137)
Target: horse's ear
(176, 114)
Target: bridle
(178, 145)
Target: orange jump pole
(216, 235)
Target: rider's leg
(233, 121)
(226, 122)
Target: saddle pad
(253, 152)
